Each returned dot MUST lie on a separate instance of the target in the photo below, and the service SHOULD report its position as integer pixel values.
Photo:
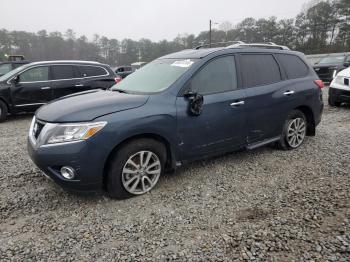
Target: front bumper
(50, 159)
(340, 95)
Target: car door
(268, 97)
(221, 126)
(65, 80)
(31, 88)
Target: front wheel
(332, 102)
(294, 131)
(135, 168)
(3, 111)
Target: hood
(86, 106)
(327, 65)
(345, 72)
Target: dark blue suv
(179, 108)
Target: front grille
(324, 73)
(346, 81)
(38, 127)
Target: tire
(332, 102)
(3, 111)
(124, 169)
(294, 126)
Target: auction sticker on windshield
(182, 63)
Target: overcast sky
(135, 19)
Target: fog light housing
(68, 172)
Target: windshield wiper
(119, 90)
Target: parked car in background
(179, 108)
(123, 71)
(8, 66)
(315, 58)
(328, 67)
(32, 85)
(339, 90)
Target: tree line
(321, 27)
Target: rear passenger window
(62, 72)
(293, 65)
(259, 69)
(217, 76)
(92, 71)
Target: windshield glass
(5, 68)
(155, 76)
(332, 59)
(12, 73)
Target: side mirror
(195, 103)
(347, 64)
(15, 80)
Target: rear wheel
(135, 168)
(3, 111)
(294, 131)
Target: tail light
(118, 79)
(319, 83)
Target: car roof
(201, 53)
(66, 62)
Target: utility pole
(210, 33)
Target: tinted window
(259, 69)
(62, 72)
(5, 68)
(348, 59)
(92, 71)
(40, 73)
(217, 76)
(293, 65)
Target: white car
(339, 90)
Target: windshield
(332, 60)
(12, 73)
(155, 76)
(5, 68)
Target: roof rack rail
(269, 45)
(217, 43)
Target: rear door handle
(288, 93)
(238, 103)
(45, 88)
(77, 85)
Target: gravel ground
(259, 205)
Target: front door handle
(79, 85)
(45, 88)
(238, 103)
(288, 93)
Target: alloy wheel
(141, 172)
(296, 132)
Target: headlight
(73, 132)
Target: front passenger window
(35, 74)
(219, 75)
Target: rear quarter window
(88, 71)
(259, 69)
(293, 66)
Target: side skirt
(263, 143)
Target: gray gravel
(260, 205)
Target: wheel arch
(6, 104)
(310, 118)
(170, 164)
